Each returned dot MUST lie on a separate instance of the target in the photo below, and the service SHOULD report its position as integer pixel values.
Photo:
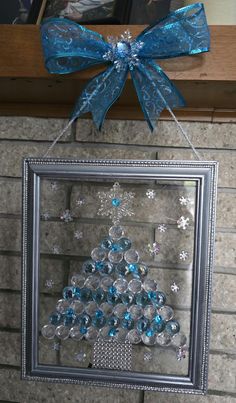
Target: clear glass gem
(104, 332)
(149, 312)
(142, 325)
(149, 338)
(106, 308)
(92, 282)
(119, 310)
(55, 318)
(99, 296)
(142, 270)
(106, 243)
(77, 306)
(121, 334)
(135, 286)
(106, 283)
(48, 331)
(89, 267)
(125, 244)
(131, 256)
(172, 327)
(107, 268)
(158, 298)
(98, 254)
(158, 324)
(62, 332)
(149, 285)
(142, 298)
(134, 336)
(115, 257)
(179, 340)
(77, 280)
(75, 333)
(163, 339)
(91, 308)
(121, 285)
(122, 269)
(127, 298)
(113, 321)
(166, 312)
(68, 292)
(135, 311)
(85, 294)
(62, 305)
(116, 232)
(92, 334)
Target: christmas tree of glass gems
(113, 298)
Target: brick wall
(20, 137)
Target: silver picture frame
(204, 175)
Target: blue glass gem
(89, 267)
(106, 243)
(142, 324)
(116, 202)
(127, 298)
(172, 327)
(150, 332)
(85, 294)
(99, 320)
(99, 314)
(158, 324)
(112, 290)
(67, 320)
(142, 298)
(116, 247)
(83, 330)
(55, 318)
(123, 49)
(99, 266)
(99, 295)
(125, 244)
(112, 332)
(158, 319)
(70, 313)
(133, 268)
(68, 292)
(112, 297)
(157, 297)
(113, 321)
(127, 324)
(127, 316)
(84, 320)
(77, 292)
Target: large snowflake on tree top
(116, 203)
(113, 298)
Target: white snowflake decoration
(181, 353)
(81, 356)
(56, 249)
(49, 283)
(66, 216)
(183, 222)
(162, 228)
(183, 255)
(184, 201)
(45, 216)
(174, 287)
(150, 193)
(78, 234)
(80, 201)
(116, 203)
(54, 186)
(56, 347)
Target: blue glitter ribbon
(69, 47)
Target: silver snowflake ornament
(56, 250)
(66, 216)
(49, 283)
(150, 193)
(183, 222)
(54, 186)
(56, 347)
(80, 357)
(154, 249)
(116, 203)
(78, 234)
(181, 353)
(80, 201)
(174, 287)
(123, 51)
(184, 201)
(183, 255)
(162, 228)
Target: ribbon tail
(99, 94)
(155, 91)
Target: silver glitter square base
(111, 354)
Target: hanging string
(58, 137)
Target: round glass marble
(119, 310)
(77, 280)
(98, 254)
(149, 312)
(135, 311)
(149, 285)
(89, 267)
(92, 334)
(48, 331)
(106, 283)
(106, 308)
(106, 243)
(75, 333)
(163, 339)
(166, 312)
(135, 286)
(127, 297)
(62, 332)
(77, 306)
(172, 327)
(115, 257)
(134, 336)
(62, 305)
(91, 308)
(93, 282)
(116, 232)
(121, 285)
(131, 256)
(179, 340)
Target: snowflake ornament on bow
(116, 203)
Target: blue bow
(70, 47)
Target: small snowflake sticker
(78, 234)
(56, 347)
(181, 353)
(80, 201)
(49, 283)
(174, 287)
(183, 255)
(162, 228)
(54, 186)
(80, 357)
(183, 222)
(151, 193)
(56, 250)
(66, 216)
(153, 249)
(45, 216)
(184, 201)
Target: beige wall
(20, 137)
